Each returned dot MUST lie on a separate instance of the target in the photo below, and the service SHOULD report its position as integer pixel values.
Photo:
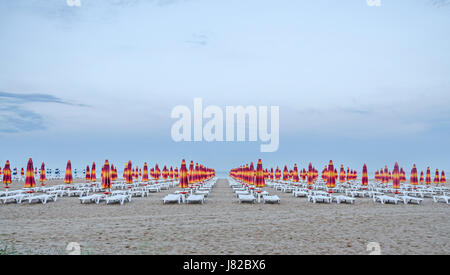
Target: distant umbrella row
(195, 174)
(249, 175)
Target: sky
(355, 83)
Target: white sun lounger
(43, 198)
(346, 199)
(386, 199)
(16, 198)
(153, 188)
(77, 192)
(204, 193)
(246, 198)
(300, 193)
(319, 198)
(92, 198)
(118, 198)
(444, 198)
(172, 198)
(409, 199)
(271, 199)
(239, 193)
(196, 198)
(141, 193)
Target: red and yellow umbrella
(295, 177)
(443, 180)
(68, 178)
(165, 173)
(365, 177)
(421, 178)
(42, 178)
(436, 178)
(88, 174)
(285, 173)
(22, 172)
(331, 179)
(413, 179)
(29, 179)
(157, 172)
(106, 176)
(342, 176)
(396, 178)
(428, 177)
(7, 174)
(259, 182)
(171, 173)
(129, 173)
(175, 173)
(184, 183)
(93, 173)
(145, 174)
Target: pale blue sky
(354, 83)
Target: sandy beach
(222, 226)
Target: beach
(223, 226)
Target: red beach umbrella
(88, 174)
(7, 174)
(396, 178)
(365, 178)
(129, 173)
(421, 178)
(436, 178)
(443, 180)
(413, 179)
(285, 173)
(428, 177)
(42, 178)
(93, 174)
(184, 183)
(68, 178)
(106, 176)
(29, 179)
(175, 173)
(145, 174)
(165, 173)
(259, 175)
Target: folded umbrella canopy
(93, 173)
(157, 172)
(342, 176)
(106, 176)
(88, 174)
(165, 173)
(42, 178)
(277, 174)
(7, 174)
(310, 176)
(145, 173)
(171, 173)
(443, 180)
(396, 178)
(129, 173)
(175, 173)
(22, 172)
(365, 177)
(68, 178)
(428, 177)
(259, 175)
(183, 175)
(295, 177)
(285, 173)
(191, 175)
(413, 178)
(436, 178)
(421, 178)
(29, 179)
(331, 179)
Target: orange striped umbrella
(331, 179)
(157, 172)
(365, 177)
(191, 178)
(421, 178)
(285, 173)
(342, 175)
(259, 175)
(42, 178)
(29, 179)
(88, 174)
(129, 173)
(68, 178)
(7, 174)
(295, 177)
(310, 176)
(277, 174)
(413, 179)
(165, 173)
(436, 178)
(196, 173)
(271, 174)
(106, 176)
(443, 180)
(93, 173)
(184, 183)
(171, 173)
(175, 173)
(428, 177)
(145, 174)
(22, 172)
(396, 178)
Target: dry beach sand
(222, 226)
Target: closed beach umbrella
(259, 175)
(342, 175)
(295, 177)
(29, 179)
(7, 174)
(22, 172)
(436, 178)
(396, 178)
(277, 174)
(175, 173)
(145, 173)
(310, 176)
(331, 179)
(68, 178)
(157, 172)
(191, 175)
(42, 178)
(171, 173)
(183, 175)
(413, 179)
(285, 173)
(129, 173)
(443, 180)
(165, 173)
(365, 178)
(106, 176)
(88, 174)
(422, 180)
(428, 177)
(93, 173)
